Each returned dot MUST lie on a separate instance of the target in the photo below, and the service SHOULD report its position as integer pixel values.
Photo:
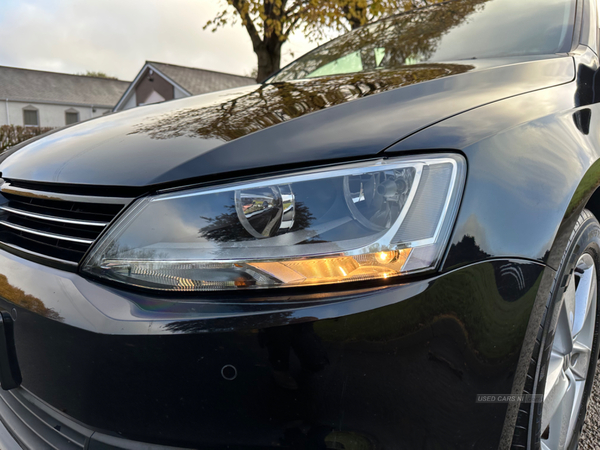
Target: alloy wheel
(570, 357)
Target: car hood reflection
(265, 126)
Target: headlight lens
(355, 222)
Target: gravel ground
(590, 438)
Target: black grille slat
(36, 425)
(52, 227)
(27, 212)
(69, 210)
(77, 231)
(43, 246)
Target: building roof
(188, 79)
(36, 86)
(200, 81)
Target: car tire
(537, 425)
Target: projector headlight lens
(365, 221)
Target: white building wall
(3, 111)
(49, 115)
(178, 93)
(131, 101)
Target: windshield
(449, 31)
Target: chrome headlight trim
(287, 256)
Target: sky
(118, 36)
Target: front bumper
(35, 425)
(7, 441)
(391, 367)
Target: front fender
(533, 165)
(531, 170)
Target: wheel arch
(593, 202)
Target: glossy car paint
(333, 119)
(398, 365)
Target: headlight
(354, 222)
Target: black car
(392, 243)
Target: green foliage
(253, 73)
(269, 23)
(91, 73)
(401, 40)
(313, 17)
(12, 135)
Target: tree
(90, 73)
(269, 23)
(274, 104)
(404, 37)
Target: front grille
(57, 226)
